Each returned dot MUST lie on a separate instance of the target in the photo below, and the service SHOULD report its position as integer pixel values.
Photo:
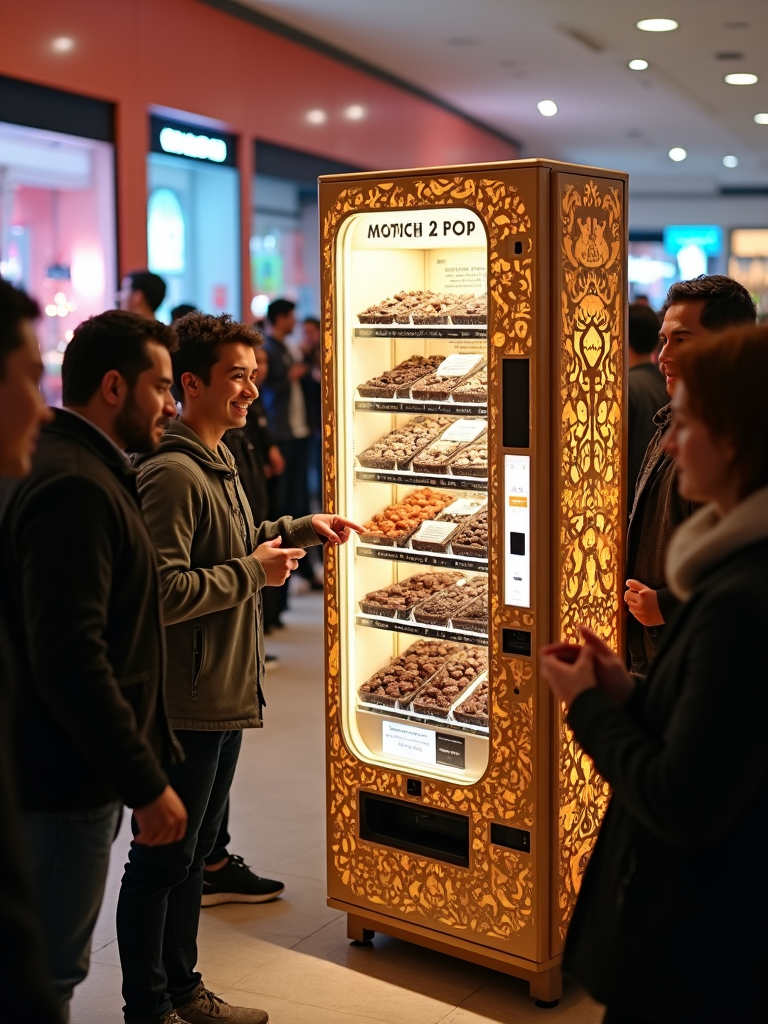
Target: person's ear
(112, 388)
(190, 382)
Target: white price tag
(434, 532)
(464, 430)
(408, 741)
(458, 365)
(465, 507)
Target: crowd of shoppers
(132, 644)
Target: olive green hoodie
(201, 525)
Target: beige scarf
(707, 539)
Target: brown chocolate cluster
(473, 459)
(403, 676)
(396, 449)
(451, 681)
(399, 520)
(403, 596)
(475, 708)
(474, 535)
(475, 389)
(399, 378)
(440, 608)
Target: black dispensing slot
(516, 641)
(512, 838)
(515, 402)
(414, 828)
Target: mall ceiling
(497, 59)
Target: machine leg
(357, 932)
(546, 987)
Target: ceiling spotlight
(730, 161)
(355, 112)
(547, 107)
(638, 65)
(657, 25)
(741, 78)
(63, 44)
(677, 153)
(317, 116)
(760, 118)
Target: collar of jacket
(707, 539)
(663, 416)
(179, 438)
(77, 428)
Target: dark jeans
(69, 858)
(220, 851)
(159, 906)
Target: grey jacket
(204, 535)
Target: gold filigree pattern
(591, 371)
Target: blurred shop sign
(749, 243)
(707, 237)
(175, 138)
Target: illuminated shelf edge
(446, 482)
(464, 562)
(393, 405)
(413, 628)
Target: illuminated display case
(473, 392)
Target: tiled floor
(292, 956)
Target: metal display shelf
(393, 405)
(414, 628)
(427, 558)
(438, 724)
(447, 333)
(446, 482)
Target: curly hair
(726, 302)
(201, 336)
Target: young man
(142, 292)
(647, 391)
(214, 561)
(22, 413)
(693, 309)
(90, 727)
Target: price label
(465, 507)
(458, 365)
(434, 532)
(408, 741)
(464, 430)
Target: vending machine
(474, 408)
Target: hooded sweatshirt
(204, 535)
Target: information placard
(408, 741)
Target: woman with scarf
(670, 924)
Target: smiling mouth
(242, 407)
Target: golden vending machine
(473, 369)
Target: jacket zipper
(197, 660)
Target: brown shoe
(207, 1008)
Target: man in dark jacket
(83, 609)
(214, 561)
(693, 309)
(22, 411)
(646, 388)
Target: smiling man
(693, 310)
(214, 561)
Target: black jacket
(85, 618)
(276, 389)
(647, 394)
(669, 925)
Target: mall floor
(292, 957)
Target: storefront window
(193, 219)
(57, 231)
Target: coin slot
(512, 838)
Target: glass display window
(57, 232)
(193, 211)
(413, 470)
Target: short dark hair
(279, 307)
(725, 379)
(644, 327)
(115, 340)
(726, 302)
(201, 336)
(311, 320)
(152, 286)
(181, 310)
(15, 306)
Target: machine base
(545, 982)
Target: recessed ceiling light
(657, 25)
(730, 161)
(677, 153)
(638, 65)
(355, 112)
(761, 118)
(317, 116)
(547, 107)
(63, 44)
(741, 78)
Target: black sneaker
(236, 883)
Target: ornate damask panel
(495, 899)
(591, 526)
